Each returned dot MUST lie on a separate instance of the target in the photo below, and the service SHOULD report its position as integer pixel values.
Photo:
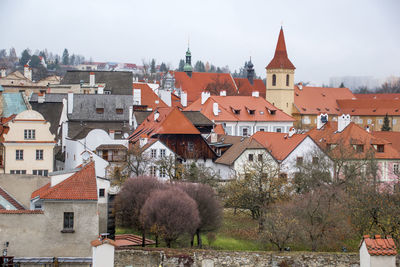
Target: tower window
(273, 80)
(287, 79)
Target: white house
(377, 251)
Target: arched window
(273, 80)
(287, 79)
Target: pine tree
(153, 66)
(341, 85)
(65, 57)
(25, 57)
(386, 123)
(181, 65)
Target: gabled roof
(314, 100)
(244, 104)
(245, 88)
(370, 107)
(392, 137)
(204, 81)
(169, 121)
(230, 156)
(280, 145)
(352, 135)
(281, 60)
(148, 97)
(377, 96)
(79, 186)
(380, 246)
(13, 202)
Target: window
(119, 111)
(40, 172)
(29, 134)
(163, 172)
(360, 121)
(102, 192)
(394, 121)
(17, 171)
(68, 221)
(162, 153)
(153, 171)
(396, 168)
(251, 157)
(278, 130)
(236, 111)
(369, 121)
(19, 154)
(99, 110)
(380, 121)
(190, 146)
(287, 79)
(380, 148)
(359, 148)
(260, 157)
(154, 153)
(38, 206)
(39, 154)
(252, 111)
(107, 92)
(315, 160)
(273, 80)
(245, 132)
(299, 160)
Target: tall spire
(188, 64)
(281, 60)
(250, 71)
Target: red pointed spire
(281, 60)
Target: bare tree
(137, 160)
(219, 84)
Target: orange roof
(169, 121)
(131, 240)
(280, 145)
(377, 96)
(370, 107)
(21, 211)
(244, 104)
(97, 242)
(313, 100)
(10, 199)
(219, 129)
(148, 97)
(79, 186)
(352, 135)
(246, 88)
(281, 60)
(204, 81)
(380, 246)
(392, 137)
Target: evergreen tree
(35, 61)
(341, 85)
(163, 67)
(153, 66)
(199, 66)
(386, 123)
(25, 57)
(181, 65)
(65, 57)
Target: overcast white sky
(324, 38)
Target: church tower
(188, 64)
(280, 78)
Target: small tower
(250, 72)
(280, 78)
(188, 65)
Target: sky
(324, 38)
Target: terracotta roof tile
(365, 106)
(148, 97)
(79, 186)
(10, 199)
(131, 240)
(380, 246)
(377, 96)
(219, 129)
(245, 88)
(392, 137)
(21, 212)
(97, 242)
(281, 60)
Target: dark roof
(78, 130)
(229, 157)
(111, 146)
(141, 116)
(195, 117)
(85, 106)
(49, 98)
(118, 82)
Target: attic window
(119, 111)
(374, 110)
(236, 111)
(380, 148)
(273, 112)
(262, 112)
(318, 109)
(327, 109)
(99, 110)
(251, 111)
(323, 94)
(359, 148)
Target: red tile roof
(314, 100)
(226, 104)
(392, 137)
(370, 107)
(169, 121)
(21, 212)
(79, 186)
(352, 135)
(380, 246)
(280, 145)
(246, 88)
(281, 60)
(97, 242)
(10, 199)
(377, 96)
(204, 81)
(148, 97)
(219, 129)
(131, 240)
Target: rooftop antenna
(281, 24)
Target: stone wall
(211, 258)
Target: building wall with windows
(29, 145)
(156, 152)
(250, 127)
(244, 160)
(375, 123)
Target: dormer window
(273, 112)
(119, 111)
(99, 110)
(236, 111)
(251, 111)
(380, 148)
(359, 148)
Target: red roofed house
(167, 133)
(377, 251)
(242, 115)
(348, 141)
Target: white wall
(103, 255)
(365, 259)
(158, 145)
(255, 126)
(243, 159)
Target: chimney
(367, 128)
(255, 94)
(321, 120)
(166, 97)
(91, 79)
(204, 97)
(292, 131)
(112, 134)
(156, 115)
(184, 99)
(214, 137)
(215, 109)
(100, 89)
(130, 116)
(222, 93)
(2, 73)
(70, 102)
(137, 96)
(343, 121)
(300, 85)
(28, 72)
(41, 97)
